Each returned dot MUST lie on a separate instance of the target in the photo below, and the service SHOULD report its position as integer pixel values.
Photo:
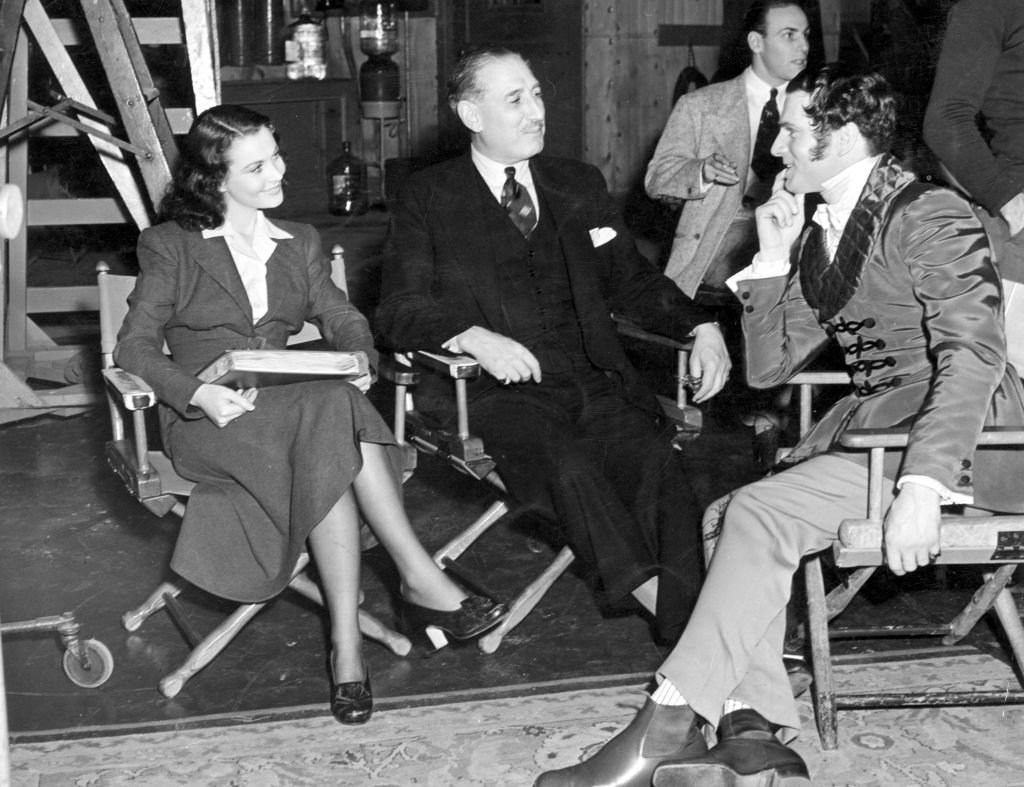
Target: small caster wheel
(171, 685)
(100, 665)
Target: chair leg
(821, 656)
(465, 539)
(1009, 616)
(983, 599)
(370, 625)
(841, 595)
(134, 618)
(527, 600)
(207, 650)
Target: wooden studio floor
(71, 538)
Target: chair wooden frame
(467, 453)
(150, 477)
(983, 539)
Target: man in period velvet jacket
(899, 274)
(518, 260)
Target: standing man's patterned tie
(515, 199)
(765, 165)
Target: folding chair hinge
(1009, 546)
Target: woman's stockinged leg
(379, 497)
(337, 550)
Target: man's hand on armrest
(709, 360)
(911, 528)
(500, 356)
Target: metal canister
(236, 33)
(269, 24)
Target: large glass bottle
(306, 48)
(346, 184)
(378, 39)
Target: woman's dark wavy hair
(194, 198)
(841, 95)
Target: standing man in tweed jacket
(708, 156)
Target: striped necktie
(515, 199)
(765, 165)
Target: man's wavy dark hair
(756, 18)
(194, 198)
(462, 83)
(841, 95)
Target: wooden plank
(14, 393)
(200, 22)
(628, 80)
(155, 30)
(48, 300)
(67, 212)
(831, 21)
(17, 161)
(180, 119)
(10, 21)
(898, 438)
(690, 35)
(849, 557)
(36, 338)
(3, 246)
(141, 112)
(74, 87)
(974, 539)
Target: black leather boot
(747, 755)
(658, 733)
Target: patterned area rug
(508, 742)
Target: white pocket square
(601, 235)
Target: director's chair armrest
(687, 419)
(806, 383)
(460, 447)
(898, 438)
(861, 539)
(458, 367)
(132, 391)
(129, 454)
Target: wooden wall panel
(628, 79)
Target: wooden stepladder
(143, 129)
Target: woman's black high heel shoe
(352, 702)
(476, 615)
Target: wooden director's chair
(974, 538)
(467, 454)
(150, 477)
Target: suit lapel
(214, 257)
(469, 202)
(730, 125)
(567, 208)
(284, 270)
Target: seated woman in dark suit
(285, 465)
